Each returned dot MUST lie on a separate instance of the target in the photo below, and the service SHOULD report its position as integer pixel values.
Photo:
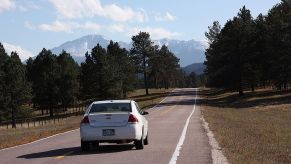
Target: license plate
(108, 132)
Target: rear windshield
(110, 108)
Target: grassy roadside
(13, 137)
(255, 128)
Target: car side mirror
(145, 113)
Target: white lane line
(38, 140)
(183, 136)
(216, 151)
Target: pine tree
(123, 68)
(18, 90)
(170, 66)
(3, 103)
(230, 58)
(45, 71)
(97, 77)
(68, 81)
(155, 67)
(192, 80)
(278, 43)
(140, 53)
(89, 78)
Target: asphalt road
(176, 135)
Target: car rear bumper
(128, 132)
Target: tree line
(51, 83)
(250, 52)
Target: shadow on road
(73, 151)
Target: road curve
(176, 135)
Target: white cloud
(91, 26)
(123, 14)
(27, 5)
(156, 33)
(117, 28)
(57, 26)
(63, 26)
(20, 5)
(76, 9)
(166, 17)
(6, 5)
(73, 9)
(22, 53)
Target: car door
(145, 122)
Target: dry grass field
(254, 128)
(12, 137)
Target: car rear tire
(95, 144)
(146, 141)
(85, 146)
(139, 144)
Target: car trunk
(108, 119)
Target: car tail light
(85, 120)
(132, 119)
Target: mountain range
(22, 53)
(188, 52)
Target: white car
(114, 121)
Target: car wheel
(146, 141)
(139, 144)
(95, 144)
(85, 146)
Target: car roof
(112, 101)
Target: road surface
(176, 135)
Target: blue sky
(34, 24)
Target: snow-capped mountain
(80, 46)
(77, 48)
(188, 51)
(23, 53)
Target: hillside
(198, 68)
